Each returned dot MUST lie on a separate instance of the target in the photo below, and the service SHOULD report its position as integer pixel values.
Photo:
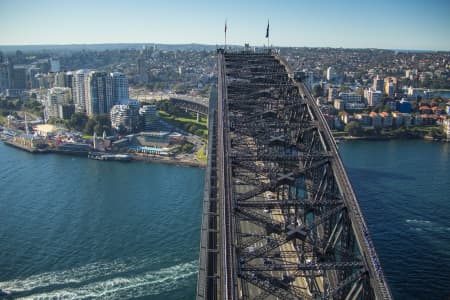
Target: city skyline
(412, 25)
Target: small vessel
(114, 157)
(5, 293)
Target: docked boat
(113, 157)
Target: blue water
(444, 94)
(403, 188)
(83, 229)
(75, 228)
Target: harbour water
(403, 188)
(74, 228)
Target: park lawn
(193, 120)
(201, 154)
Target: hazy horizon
(194, 44)
(409, 25)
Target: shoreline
(170, 161)
(149, 159)
(386, 138)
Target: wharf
(85, 153)
(24, 147)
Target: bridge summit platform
(280, 217)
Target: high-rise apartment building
(98, 93)
(119, 87)
(56, 98)
(331, 73)
(332, 94)
(79, 91)
(377, 84)
(373, 97)
(149, 116)
(19, 77)
(390, 86)
(125, 114)
(4, 78)
(64, 79)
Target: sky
(387, 24)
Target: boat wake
(116, 280)
(426, 226)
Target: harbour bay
(84, 229)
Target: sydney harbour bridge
(280, 217)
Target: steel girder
(294, 237)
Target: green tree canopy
(78, 121)
(354, 128)
(317, 91)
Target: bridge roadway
(280, 218)
(196, 104)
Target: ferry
(104, 156)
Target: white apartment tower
(126, 114)
(331, 73)
(79, 91)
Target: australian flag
(267, 31)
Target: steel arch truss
(293, 234)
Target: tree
(122, 129)
(387, 108)
(90, 125)
(78, 121)
(317, 91)
(353, 128)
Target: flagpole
(225, 47)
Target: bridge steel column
(287, 223)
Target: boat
(113, 157)
(4, 293)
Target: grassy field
(201, 154)
(166, 116)
(3, 120)
(190, 124)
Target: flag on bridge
(225, 26)
(267, 31)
